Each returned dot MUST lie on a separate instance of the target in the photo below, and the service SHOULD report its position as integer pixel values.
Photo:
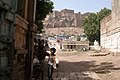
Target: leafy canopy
(43, 7)
(92, 24)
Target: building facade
(17, 27)
(74, 45)
(7, 21)
(110, 29)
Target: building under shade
(74, 45)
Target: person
(38, 61)
(36, 70)
(41, 51)
(35, 61)
(51, 63)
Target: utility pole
(31, 20)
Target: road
(81, 66)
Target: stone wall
(110, 29)
(64, 18)
(64, 30)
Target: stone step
(99, 54)
(91, 75)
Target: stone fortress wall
(64, 19)
(110, 29)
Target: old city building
(63, 21)
(7, 21)
(74, 45)
(17, 19)
(110, 29)
(63, 25)
(64, 18)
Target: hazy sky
(82, 5)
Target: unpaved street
(82, 66)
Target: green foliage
(42, 9)
(92, 24)
(91, 27)
(103, 13)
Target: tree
(103, 13)
(92, 24)
(91, 27)
(43, 8)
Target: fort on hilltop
(64, 19)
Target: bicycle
(38, 73)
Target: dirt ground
(82, 66)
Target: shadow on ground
(84, 66)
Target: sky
(82, 5)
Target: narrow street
(82, 66)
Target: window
(20, 7)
